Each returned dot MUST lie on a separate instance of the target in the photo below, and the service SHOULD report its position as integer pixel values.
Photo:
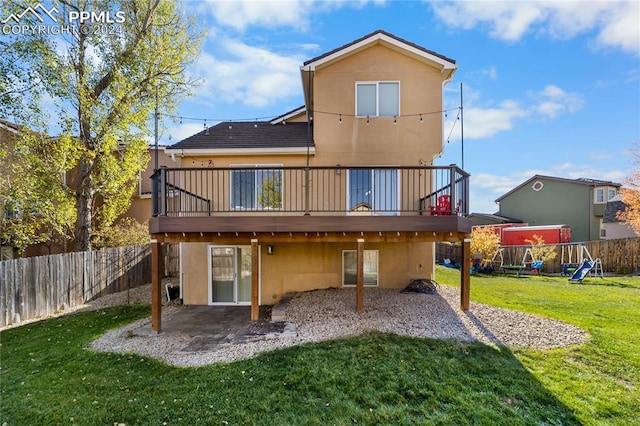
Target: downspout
(309, 138)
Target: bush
(484, 241)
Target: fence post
(156, 286)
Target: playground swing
(535, 265)
(508, 266)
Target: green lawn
(48, 376)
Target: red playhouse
(551, 234)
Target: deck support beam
(255, 269)
(465, 274)
(156, 285)
(360, 277)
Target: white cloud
(240, 14)
(248, 74)
(482, 123)
(616, 23)
(266, 13)
(553, 101)
(485, 119)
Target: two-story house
(339, 192)
(546, 200)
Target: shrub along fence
(34, 287)
(620, 256)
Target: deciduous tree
(104, 82)
(35, 205)
(631, 193)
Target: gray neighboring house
(614, 228)
(547, 200)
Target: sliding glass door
(230, 275)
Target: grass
(599, 380)
(48, 376)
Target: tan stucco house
(339, 192)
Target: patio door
(373, 191)
(230, 275)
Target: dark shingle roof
(401, 40)
(253, 134)
(496, 217)
(614, 206)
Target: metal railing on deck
(424, 190)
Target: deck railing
(425, 190)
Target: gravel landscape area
(327, 314)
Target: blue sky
(548, 88)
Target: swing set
(584, 264)
(510, 265)
(575, 259)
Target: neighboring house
(339, 192)
(546, 200)
(615, 228)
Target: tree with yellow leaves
(631, 193)
(484, 241)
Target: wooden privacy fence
(617, 256)
(39, 286)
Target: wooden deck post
(465, 275)
(156, 285)
(360, 277)
(255, 307)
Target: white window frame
(603, 229)
(377, 100)
(257, 167)
(611, 192)
(596, 199)
(377, 267)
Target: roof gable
(389, 40)
(580, 181)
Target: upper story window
(603, 194)
(378, 99)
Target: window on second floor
(603, 194)
(378, 99)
